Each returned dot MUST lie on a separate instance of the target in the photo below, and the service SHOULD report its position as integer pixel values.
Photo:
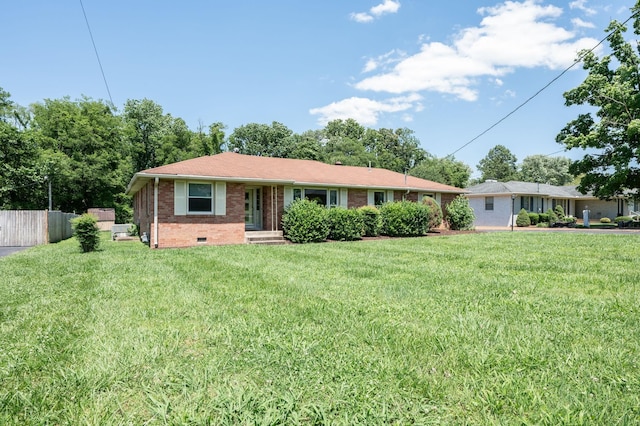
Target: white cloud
(582, 5)
(392, 57)
(579, 23)
(361, 17)
(511, 35)
(387, 6)
(365, 111)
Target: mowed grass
(501, 328)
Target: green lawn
(487, 328)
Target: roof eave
(141, 179)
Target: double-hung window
(488, 203)
(200, 198)
(378, 198)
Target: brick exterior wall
(356, 198)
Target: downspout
(155, 212)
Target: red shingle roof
(238, 167)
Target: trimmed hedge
(534, 218)
(372, 222)
(404, 219)
(305, 221)
(345, 224)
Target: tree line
(88, 151)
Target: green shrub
(86, 231)
(544, 218)
(569, 219)
(372, 221)
(523, 219)
(305, 221)
(553, 217)
(435, 212)
(622, 219)
(605, 220)
(460, 215)
(559, 211)
(345, 224)
(534, 218)
(404, 219)
(542, 225)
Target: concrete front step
(264, 237)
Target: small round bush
(435, 212)
(534, 218)
(404, 219)
(544, 218)
(85, 229)
(523, 219)
(605, 220)
(553, 217)
(371, 221)
(460, 215)
(305, 221)
(345, 224)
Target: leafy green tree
(308, 146)
(145, 125)
(262, 140)
(544, 169)
(499, 164)
(443, 170)
(22, 177)
(210, 143)
(612, 136)
(81, 144)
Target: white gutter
(155, 212)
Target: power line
(95, 49)
(577, 61)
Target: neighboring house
(216, 199)
(106, 217)
(492, 202)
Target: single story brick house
(216, 199)
(492, 202)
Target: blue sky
(447, 70)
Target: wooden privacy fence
(24, 228)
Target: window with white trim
(488, 203)
(200, 198)
(325, 197)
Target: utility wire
(577, 61)
(95, 49)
